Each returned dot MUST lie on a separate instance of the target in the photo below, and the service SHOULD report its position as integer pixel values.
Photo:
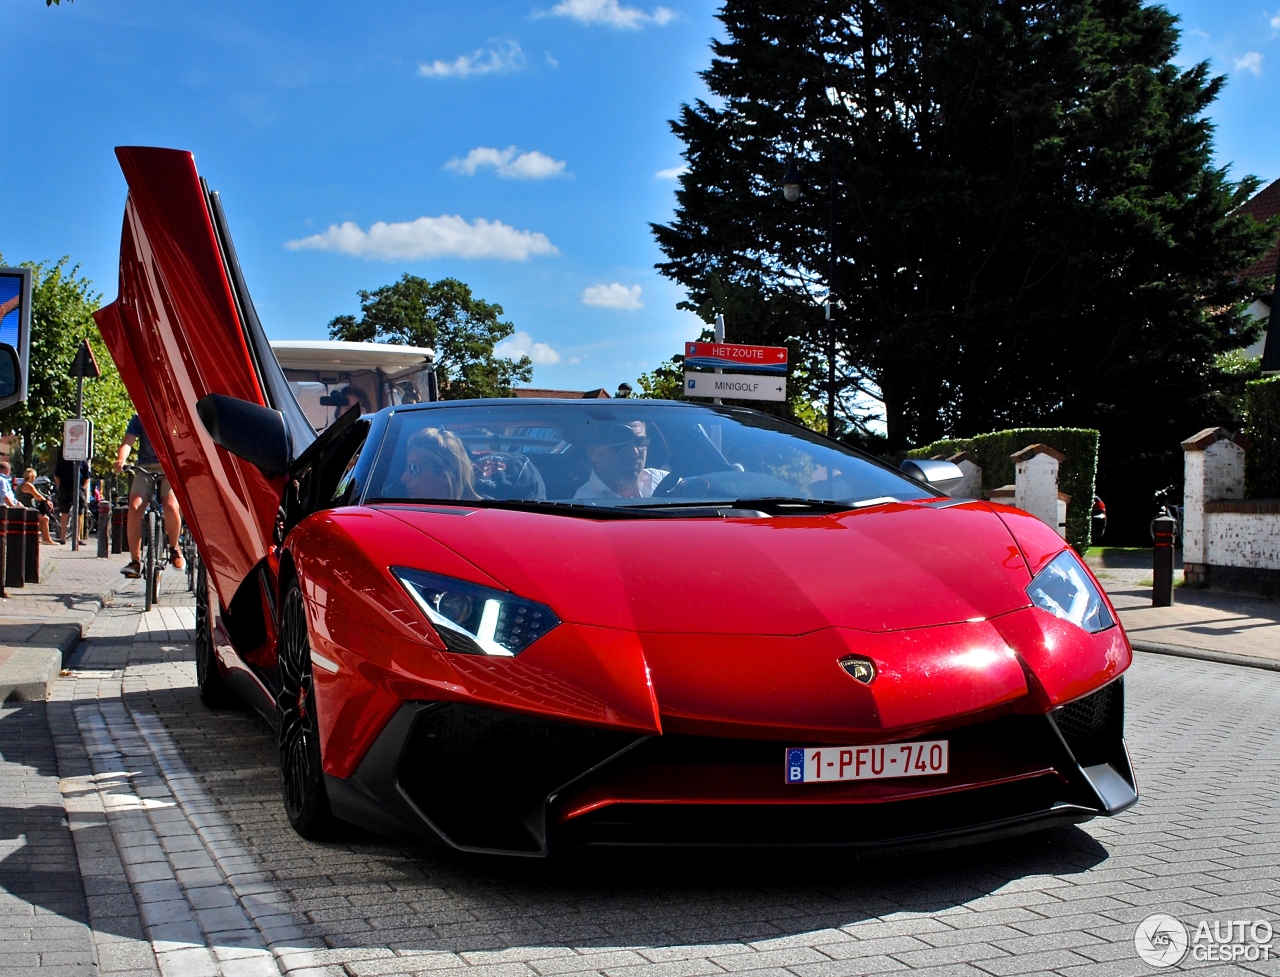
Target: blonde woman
(32, 497)
(437, 467)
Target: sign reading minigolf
(735, 386)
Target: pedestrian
(34, 498)
(148, 470)
(6, 487)
(64, 477)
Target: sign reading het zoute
(735, 356)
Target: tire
(148, 558)
(306, 801)
(160, 556)
(214, 691)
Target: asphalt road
(189, 864)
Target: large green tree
(62, 307)
(1014, 201)
(446, 317)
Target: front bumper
(490, 781)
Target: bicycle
(154, 552)
(1167, 508)
(190, 555)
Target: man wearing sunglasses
(617, 453)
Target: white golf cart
(328, 376)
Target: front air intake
(1093, 726)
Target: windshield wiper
(577, 509)
(771, 504)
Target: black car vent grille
(1093, 726)
(482, 776)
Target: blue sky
(519, 145)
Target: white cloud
(1275, 22)
(509, 162)
(613, 296)
(1250, 62)
(520, 344)
(429, 237)
(671, 173)
(484, 61)
(612, 14)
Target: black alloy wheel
(214, 691)
(306, 801)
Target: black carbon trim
(436, 771)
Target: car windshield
(634, 454)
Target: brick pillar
(1213, 469)
(1036, 484)
(971, 487)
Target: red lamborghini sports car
(526, 626)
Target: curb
(29, 673)
(1221, 657)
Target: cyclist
(148, 466)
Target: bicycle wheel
(148, 558)
(159, 546)
(188, 546)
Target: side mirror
(942, 475)
(250, 431)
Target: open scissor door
(182, 327)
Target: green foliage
(62, 307)
(1029, 228)
(446, 317)
(1232, 372)
(1075, 476)
(1262, 464)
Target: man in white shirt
(6, 486)
(617, 453)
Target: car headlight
(1064, 589)
(475, 620)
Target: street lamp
(792, 186)
(791, 182)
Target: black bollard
(104, 528)
(1162, 563)
(15, 560)
(118, 528)
(31, 545)
(4, 548)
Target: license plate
(829, 764)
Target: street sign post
(736, 356)
(735, 386)
(84, 365)
(77, 439)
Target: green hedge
(1075, 477)
(1262, 464)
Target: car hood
(890, 567)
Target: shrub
(1262, 464)
(1075, 477)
